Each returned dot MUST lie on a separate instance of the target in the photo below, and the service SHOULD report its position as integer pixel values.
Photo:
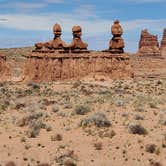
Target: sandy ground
(48, 113)
(87, 122)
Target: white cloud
(24, 6)
(94, 26)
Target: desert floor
(85, 122)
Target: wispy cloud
(3, 19)
(86, 11)
(28, 6)
(94, 26)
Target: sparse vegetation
(136, 128)
(98, 119)
(117, 118)
(82, 109)
(151, 148)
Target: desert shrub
(120, 103)
(57, 137)
(105, 92)
(69, 162)
(162, 122)
(76, 84)
(135, 128)
(155, 164)
(20, 105)
(151, 148)
(98, 119)
(82, 109)
(55, 108)
(27, 120)
(153, 105)
(64, 158)
(138, 117)
(34, 122)
(139, 109)
(34, 85)
(67, 106)
(34, 129)
(98, 145)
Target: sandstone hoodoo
(55, 60)
(116, 44)
(53, 45)
(77, 45)
(148, 44)
(163, 43)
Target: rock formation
(4, 68)
(76, 66)
(77, 45)
(116, 44)
(74, 60)
(55, 44)
(163, 43)
(148, 44)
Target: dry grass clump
(81, 109)
(155, 164)
(35, 124)
(27, 120)
(150, 148)
(69, 162)
(34, 129)
(98, 119)
(138, 117)
(55, 108)
(56, 137)
(66, 159)
(33, 85)
(136, 128)
(98, 145)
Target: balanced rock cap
(77, 28)
(57, 28)
(116, 22)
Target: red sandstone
(148, 44)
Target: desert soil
(85, 122)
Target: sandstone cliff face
(4, 68)
(163, 43)
(62, 68)
(148, 44)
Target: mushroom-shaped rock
(54, 44)
(77, 42)
(116, 44)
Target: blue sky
(24, 22)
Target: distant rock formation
(116, 44)
(163, 43)
(148, 44)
